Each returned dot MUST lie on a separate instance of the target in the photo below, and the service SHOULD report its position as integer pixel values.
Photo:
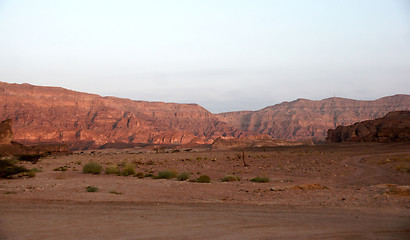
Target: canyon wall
(51, 114)
(303, 119)
(81, 120)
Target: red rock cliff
(50, 114)
(303, 119)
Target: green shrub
(139, 175)
(113, 169)
(204, 179)
(91, 189)
(128, 170)
(92, 167)
(149, 175)
(230, 178)
(167, 174)
(260, 179)
(183, 176)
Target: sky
(225, 55)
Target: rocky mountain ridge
(82, 120)
(302, 119)
(51, 114)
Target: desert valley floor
(330, 191)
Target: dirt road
(73, 220)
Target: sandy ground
(344, 191)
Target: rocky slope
(302, 119)
(50, 114)
(393, 127)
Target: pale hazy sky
(225, 55)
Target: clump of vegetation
(403, 168)
(78, 162)
(149, 175)
(61, 169)
(139, 175)
(204, 179)
(122, 164)
(10, 167)
(115, 192)
(30, 173)
(91, 189)
(260, 179)
(230, 178)
(92, 167)
(112, 169)
(128, 170)
(183, 176)
(166, 174)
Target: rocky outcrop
(394, 127)
(57, 115)
(307, 119)
(6, 133)
(26, 153)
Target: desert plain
(325, 191)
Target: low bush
(128, 170)
(204, 179)
(9, 168)
(183, 176)
(166, 174)
(260, 179)
(139, 175)
(91, 189)
(230, 178)
(112, 169)
(92, 167)
(149, 175)
(61, 169)
(30, 173)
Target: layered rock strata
(307, 119)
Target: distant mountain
(57, 115)
(303, 119)
(52, 114)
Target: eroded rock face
(394, 127)
(50, 114)
(307, 119)
(6, 133)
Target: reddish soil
(341, 191)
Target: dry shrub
(92, 167)
(230, 178)
(204, 179)
(166, 174)
(260, 179)
(112, 169)
(183, 176)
